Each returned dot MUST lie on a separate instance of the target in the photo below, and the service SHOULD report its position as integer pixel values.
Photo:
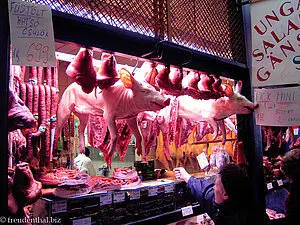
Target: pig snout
(167, 102)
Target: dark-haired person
(84, 164)
(230, 201)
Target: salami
(54, 103)
(47, 77)
(42, 112)
(35, 107)
(40, 75)
(29, 100)
(48, 132)
(55, 75)
(33, 75)
(23, 92)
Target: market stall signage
(269, 186)
(59, 207)
(119, 196)
(31, 34)
(106, 199)
(134, 194)
(275, 52)
(84, 221)
(279, 182)
(186, 211)
(152, 191)
(202, 160)
(277, 107)
(169, 188)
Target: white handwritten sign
(278, 107)
(31, 34)
(275, 42)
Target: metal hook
(156, 51)
(189, 60)
(137, 62)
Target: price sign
(59, 207)
(169, 188)
(152, 191)
(119, 196)
(269, 186)
(279, 182)
(84, 221)
(134, 194)
(202, 160)
(186, 211)
(31, 34)
(105, 199)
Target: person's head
(290, 164)
(232, 185)
(87, 151)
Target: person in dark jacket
(290, 164)
(230, 201)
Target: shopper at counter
(230, 200)
(84, 164)
(290, 165)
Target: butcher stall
(141, 92)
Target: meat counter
(157, 200)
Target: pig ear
(228, 90)
(126, 78)
(238, 86)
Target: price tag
(134, 194)
(202, 160)
(59, 206)
(269, 186)
(169, 188)
(84, 221)
(152, 191)
(31, 34)
(105, 199)
(119, 196)
(279, 182)
(186, 211)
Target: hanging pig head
(214, 111)
(123, 100)
(19, 116)
(232, 103)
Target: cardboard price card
(31, 34)
(277, 106)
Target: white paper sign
(269, 186)
(152, 191)
(169, 188)
(84, 221)
(279, 182)
(275, 28)
(186, 211)
(106, 199)
(278, 107)
(134, 194)
(119, 196)
(59, 206)
(202, 160)
(31, 34)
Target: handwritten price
(38, 52)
